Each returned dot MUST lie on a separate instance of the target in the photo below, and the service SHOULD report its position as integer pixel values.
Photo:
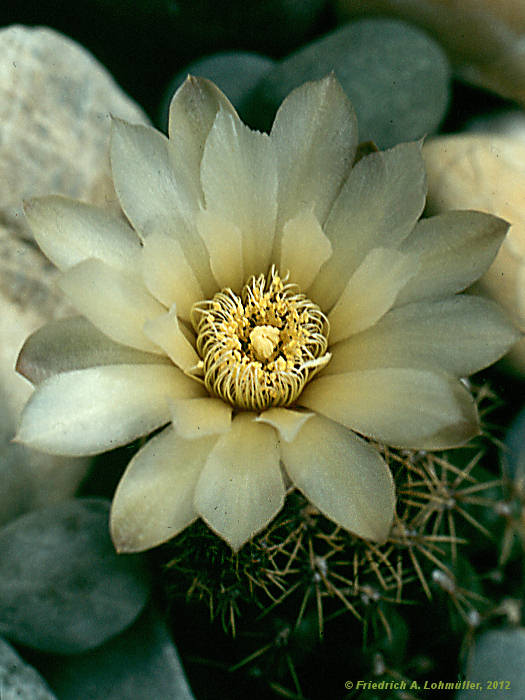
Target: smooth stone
(487, 173)
(18, 680)
(142, 662)
(235, 73)
(396, 77)
(484, 38)
(63, 588)
(498, 657)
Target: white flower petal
(285, 421)
(93, 410)
(194, 418)
(241, 487)
(153, 196)
(168, 275)
(378, 206)
(370, 292)
(400, 407)
(304, 248)
(69, 231)
(460, 336)
(315, 137)
(343, 476)
(116, 304)
(192, 113)
(239, 178)
(165, 332)
(224, 243)
(154, 499)
(148, 187)
(74, 343)
(455, 249)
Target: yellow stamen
(259, 350)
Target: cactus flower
(271, 305)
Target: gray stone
(62, 586)
(498, 657)
(18, 681)
(395, 75)
(141, 663)
(235, 73)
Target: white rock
(18, 680)
(55, 105)
(487, 173)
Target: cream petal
(304, 248)
(154, 499)
(378, 206)
(69, 231)
(152, 195)
(315, 137)
(74, 343)
(455, 249)
(460, 336)
(343, 476)
(147, 185)
(93, 410)
(224, 243)
(370, 292)
(192, 113)
(239, 178)
(194, 418)
(400, 407)
(241, 487)
(168, 275)
(116, 304)
(165, 332)
(285, 421)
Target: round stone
(140, 664)
(62, 586)
(395, 75)
(498, 657)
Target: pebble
(497, 663)
(485, 39)
(63, 588)
(18, 680)
(140, 664)
(395, 75)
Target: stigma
(260, 348)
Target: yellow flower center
(259, 349)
